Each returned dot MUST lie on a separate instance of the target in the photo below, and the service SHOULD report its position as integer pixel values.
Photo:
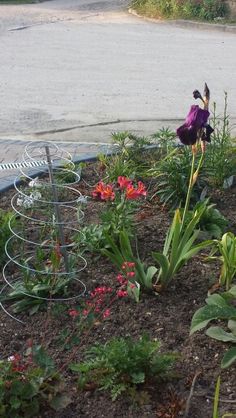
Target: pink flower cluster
(17, 363)
(95, 304)
(101, 297)
(128, 273)
(104, 191)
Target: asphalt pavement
(74, 71)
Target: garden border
(187, 24)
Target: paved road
(79, 69)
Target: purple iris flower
(195, 120)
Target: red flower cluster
(17, 364)
(106, 191)
(103, 191)
(128, 272)
(134, 193)
(123, 182)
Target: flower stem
(190, 187)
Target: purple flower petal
(197, 117)
(187, 134)
(195, 120)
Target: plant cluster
(30, 383)
(186, 9)
(122, 201)
(121, 365)
(5, 233)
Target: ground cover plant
(207, 10)
(124, 348)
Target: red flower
(121, 293)
(135, 193)
(108, 193)
(98, 190)
(106, 313)
(123, 182)
(131, 193)
(130, 274)
(142, 189)
(73, 313)
(103, 191)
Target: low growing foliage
(122, 364)
(5, 233)
(186, 9)
(227, 249)
(219, 307)
(29, 384)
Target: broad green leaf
(217, 300)
(163, 262)
(219, 334)
(231, 292)
(207, 313)
(60, 402)
(42, 359)
(232, 326)
(134, 292)
(151, 271)
(229, 358)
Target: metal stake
(57, 210)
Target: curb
(187, 24)
(37, 173)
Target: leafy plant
(28, 384)
(40, 281)
(128, 159)
(122, 364)
(211, 222)
(92, 238)
(122, 252)
(179, 246)
(122, 202)
(220, 158)
(172, 174)
(165, 139)
(187, 9)
(227, 249)
(219, 307)
(5, 232)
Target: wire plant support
(44, 264)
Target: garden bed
(165, 317)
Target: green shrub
(122, 364)
(205, 10)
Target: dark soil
(166, 317)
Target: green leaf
(42, 359)
(134, 292)
(60, 402)
(138, 377)
(229, 358)
(75, 367)
(163, 262)
(219, 334)
(232, 326)
(204, 315)
(216, 399)
(217, 300)
(15, 402)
